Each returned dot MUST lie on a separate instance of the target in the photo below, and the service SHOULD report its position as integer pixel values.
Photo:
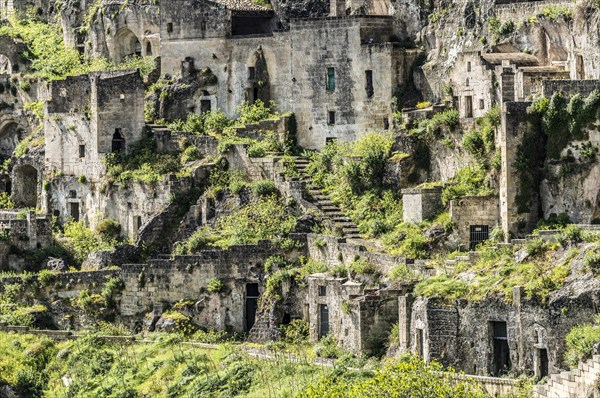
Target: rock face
(300, 9)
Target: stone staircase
(332, 212)
(577, 383)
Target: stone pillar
(337, 8)
(507, 82)
(523, 154)
(520, 340)
(404, 317)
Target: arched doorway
(127, 45)
(25, 186)
(9, 137)
(118, 141)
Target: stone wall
(158, 284)
(474, 210)
(460, 334)
(419, 204)
(523, 10)
(83, 116)
(519, 188)
(570, 87)
(580, 382)
(297, 70)
(18, 233)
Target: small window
(81, 151)
(369, 83)
(203, 25)
(331, 118)
(72, 194)
(322, 291)
(169, 27)
(331, 79)
(149, 49)
(481, 104)
(386, 123)
(467, 82)
(251, 73)
(205, 106)
(468, 66)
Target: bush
(215, 285)
(254, 113)
(80, 241)
(468, 181)
(360, 266)
(328, 347)
(580, 341)
(264, 188)
(473, 143)
(109, 229)
(296, 332)
(6, 201)
(46, 277)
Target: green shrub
(264, 188)
(394, 336)
(360, 266)
(580, 341)
(6, 201)
(473, 143)
(109, 229)
(80, 241)
(402, 273)
(296, 332)
(255, 112)
(46, 277)
(328, 347)
(572, 234)
(468, 181)
(215, 285)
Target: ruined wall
(161, 283)
(419, 204)
(474, 210)
(519, 181)
(18, 233)
(82, 118)
(461, 334)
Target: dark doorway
(323, 320)
(419, 342)
(25, 186)
(478, 234)
(74, 211)
(148, 49)
(543, 363)
(118, 141)
(205, 106)
(468, 106)
(252, 295)
(501, 351)
(369, 86)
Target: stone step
(341, 219)
(325, 203)
(331, 209)
(345, 224)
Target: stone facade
(22, 231)
(88, 117)
(420, 204)
(340, 66)
(474, 217)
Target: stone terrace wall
(334, 251)
(580, 382)
(159, 284)
(570, 87)
(521, 11)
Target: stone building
(338, 80)
(22, 231)
(419, 204)
(90, 116)
(474, 218)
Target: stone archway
(9, 137)
(25, 186)
(127, 45)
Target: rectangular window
(323, 320)
(169, 27)
(468, 66)
(330, 79)
(251, 73)
(81, 151)
(322, 291)
(386, 123)
(369, 81)
(331, 118)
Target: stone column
(404, 316)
